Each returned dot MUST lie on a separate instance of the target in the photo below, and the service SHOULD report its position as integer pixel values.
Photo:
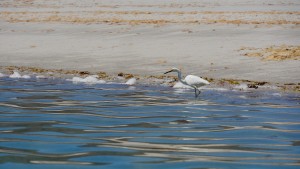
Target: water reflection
(58, 124)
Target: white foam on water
(15, 75)
(242, 97)
(180, 85)
(26, 77)
(2, 75)
(131, 88)
(131, 81)
(89, 80)
(277, 94)
(120, 78)
(214, 88)
(180, 90)
(273, 87)
(241, 87)
(41, 77)
(18, 75)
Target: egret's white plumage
(193, 80)
(190, 80)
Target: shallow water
(57, 124)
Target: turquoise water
(57, 124)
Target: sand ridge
(156, 17)
(273, 53)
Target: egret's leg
(199, 92)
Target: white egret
(190, 80)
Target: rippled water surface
(57, 124)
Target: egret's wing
(195, 80)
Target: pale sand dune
(149, 37)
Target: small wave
(61, 162)
(18, 75)
(180, 85)
(41, 77)
(2, 75)
(93, 79)
(131, 81)
(241, 87)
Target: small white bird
(190, 80)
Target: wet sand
(215, 39)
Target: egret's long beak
(168, 72)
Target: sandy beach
(227, 39)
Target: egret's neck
(180, 78)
